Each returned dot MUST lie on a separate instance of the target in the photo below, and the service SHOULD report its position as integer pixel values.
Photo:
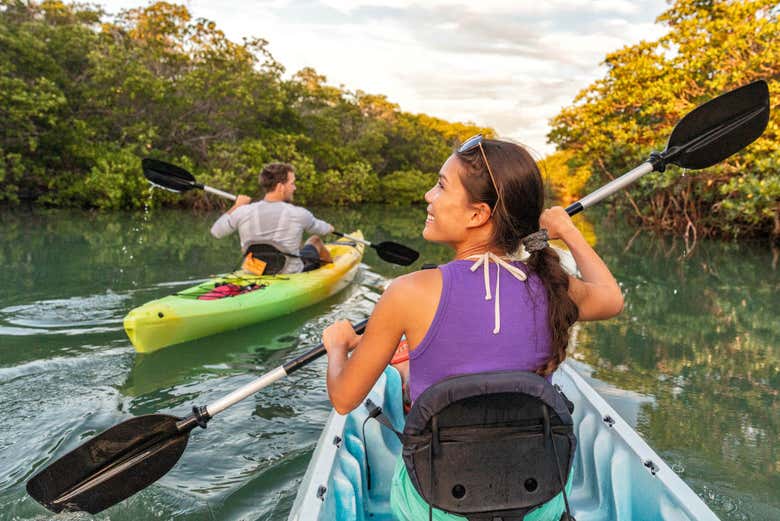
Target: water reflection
(693, 362)
(700, 336)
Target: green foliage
(112, 183)
(565, 179)
(84, 97)
(356, 183)
(711, 47)
(751, 199)
(308, 182)
(406, 187)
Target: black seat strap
(273, 250)
(271, 254)
(375, 412)
(549, 436)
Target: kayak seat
(275, 260)
(489, 446)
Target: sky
(509, 65)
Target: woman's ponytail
(561, 309)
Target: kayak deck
(182, 317)
(617, 476)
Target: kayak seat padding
(269, 253)
(489, 445)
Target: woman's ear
(480, 214)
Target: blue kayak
(617, 476)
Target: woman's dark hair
(516, 214)
(273, 174)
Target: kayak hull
(182, 317)
(617, 476)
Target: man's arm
(315, 226)
(228, 222)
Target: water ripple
(94, 310)
(60, 364)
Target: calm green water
(693, 362)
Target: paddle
(132, 455)
(176, 179)
(707, 135)
(388, 250)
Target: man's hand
(241, 200)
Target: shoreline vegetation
(84, 95)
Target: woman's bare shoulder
(416, 287)
(418, 281)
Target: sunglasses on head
(469, 145)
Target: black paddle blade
(168, 176)
(719, 128)
(396, 253)
(112, 466)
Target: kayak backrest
(275, 260)
(489, 445)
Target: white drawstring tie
(484, 261)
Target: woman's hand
(340, 337)
(557, 223)
(597, 294)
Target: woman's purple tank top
(461, 340)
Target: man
(273, 220)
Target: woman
(484, 311)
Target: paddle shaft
(132, 455)
(344, 235)
(232, 197)
(610, 188)
(705, 136)
(220, 193)
(271, 377)
(175, 178)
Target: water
(693, 362)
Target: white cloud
(508, 65)
(495, 6)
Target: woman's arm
(597, 294)
(351, 378)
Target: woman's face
(449, 209)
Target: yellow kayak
(182, 317)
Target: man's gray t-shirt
(278, 222)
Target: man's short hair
(273, 174)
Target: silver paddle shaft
(247, 390)
(220, 193)
(354, 239)
(273, 375)
(615, 185)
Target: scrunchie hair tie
(536, 241)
